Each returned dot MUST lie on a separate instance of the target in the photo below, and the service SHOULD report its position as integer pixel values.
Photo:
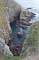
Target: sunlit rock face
(4, 25)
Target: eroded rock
(4, 49)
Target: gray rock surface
(7, 51)
(4, 49)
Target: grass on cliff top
(2, 57)
(12, 58)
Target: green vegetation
(33, 39)
(31, 44)
(12, 58)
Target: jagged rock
(13, 44)
(26, 15)
(15, 48)
(7, 51)
(2, 44)
(4, 49)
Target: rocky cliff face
(4, 17)
(4, 25)
(18, 26)
(8, 9)
(11, 11)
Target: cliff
(10, 11)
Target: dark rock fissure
(18, 38)
(18, 34)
